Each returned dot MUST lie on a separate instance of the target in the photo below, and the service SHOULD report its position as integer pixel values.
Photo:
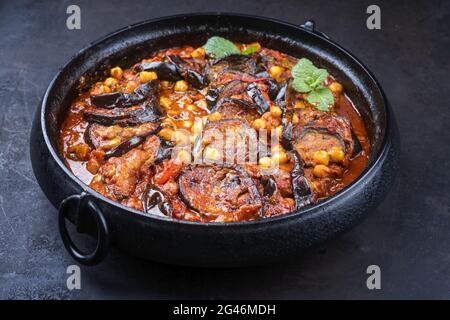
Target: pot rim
(373, 163)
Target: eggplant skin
(240, 63)
(300, 186)
(123, 100)
(154, 197)
(226, 193)
(125, 146)
(149, 111)
(166, 71)
(173, 70)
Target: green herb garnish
(250, 49)
(219, 47)
(310, 79)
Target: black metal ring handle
(310, 25)
(84, 206)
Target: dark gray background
(408, 236)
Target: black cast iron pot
(210, 244)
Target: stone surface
(407, 236)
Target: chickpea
(216, 116)
(165, 84)
(275, 111)
(295, 119)
(111, 82)
(106, 89)
(279, 158)
(165, 101)
(276, 71)
(336, 87)
(112, 143)
(198, 53)
(265, 162)
(321, 157)
(181, 86)
(279, 131)
(320, 171)
(146, 76)
(212, 153)
(299, 104)
(277, 148)
(259, 124)
(336, 154)
(166, 133)
(130, 86)
(191, 107)
(187, 124)
(117, 72)
(184, 156)
(109, 172)
(181, 137)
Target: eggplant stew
(220, 133)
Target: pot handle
(84, 205)
(310, 25)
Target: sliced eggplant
(193, 77)
(123, 100)
(154, 197)
(237, 109)
(300, 187)
(164, 151)
(165, 70)
(125, 146)
(149, 111)
(227, 193)
(231, 137)
(255, 93)
(96, 135)
(317, 131)
(240, 63)
(175, 69)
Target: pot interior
(129, 45)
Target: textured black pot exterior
(213, 244)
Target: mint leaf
(321, 98)
(307, 76)
(310, 79)
(250, 49)
(219, 47)
(303, 68)
(300, 86)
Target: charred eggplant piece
(237, 108)
(95, 133)
(124, 147)
(193, 77)
(269, 184)
(231, 137)
(150, 111)
(255, 93)
(123, 100)
(153, 197)
(300, 187)
(227, 193)
(240, 63)
(166, 71)
(164, 151)
(215, 95)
